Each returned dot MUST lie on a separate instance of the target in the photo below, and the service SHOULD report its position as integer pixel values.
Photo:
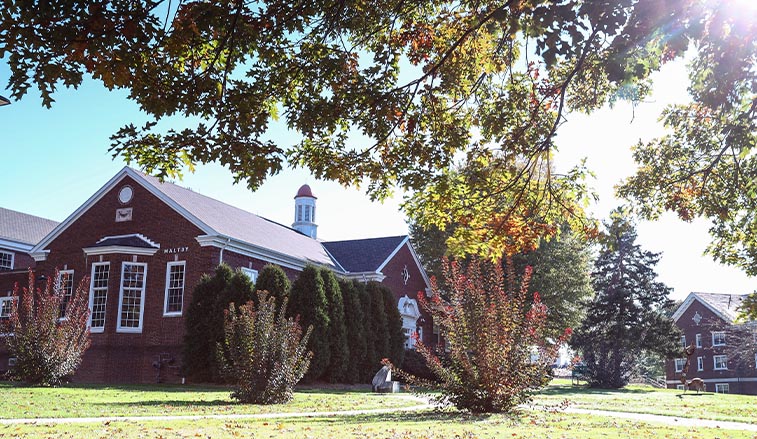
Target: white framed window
(174, 299)
(6, 260)
(699, 340)
(299, 212)
(680, 387)
(720, 362)
(6, 306)
(700, 364)
(66, 287)
(680, 363)
(252, 274)
(683, 341)
(718, 338)
(98, 295)
(131, 297)
(722, 388)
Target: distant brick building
(145, 244)
(705, 320)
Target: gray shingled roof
(360, 255)
(24, 228)
(239, 224)
(726, 304)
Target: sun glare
(743, 6)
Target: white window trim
(13, 259)
(680, 387)
(699, 340)
(683, 341)
(700, 364)
(715, 362)
(70, 274)
(251, 273)
(713, 338)
(98, 329)
(138, 329)
(719, 388)
(168, 281)
(677, 362)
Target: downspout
(220, 257)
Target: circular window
(125, 194)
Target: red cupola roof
(305, 191)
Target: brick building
(144, 245)
(708, 322)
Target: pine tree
(377, 336)
(204, 321)
(628, 317)
(339, 351)
(352, 294)
(396, 351)
(273, 279)
(308, 301)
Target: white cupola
(304, 212)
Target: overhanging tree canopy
(458, 102)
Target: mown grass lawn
(645, 399)
(18, 401)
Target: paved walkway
(644, 417)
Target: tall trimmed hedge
(273, 279)
(352, 297)
(377, 337)
(308, 301)
(338, 350)
(396, 338)
(204, 321)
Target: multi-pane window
(299, 212)
(131, 297)
(680, 363)
(252, 274)
(174, 288)
(700, 363)
(6, 260)
(6, 305)
(98, 295)
(720, 362)
(718, 338)
(683, 341)
(699, 340)
(722, 388)
(66, 288)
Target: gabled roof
(364, 255)
(218, 220)
(725, 306)
(23, 228)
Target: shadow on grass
(568, 390)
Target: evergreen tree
(204, 321)
(273, 279)
(628, 318)
(339, 351)
(352, 296)
(378, 336)
(396, 337)
(367, 369)
(308, 301)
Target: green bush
(338, 351)
(307, 302)
(48, 348)
(273, 279)
(267, 351)
(204, 322)
(396, 338)
(352, 296)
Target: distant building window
(700, 363)
(722, 388)
(680, 387)
(98, 295)
(718, 338)
(174, 288)
(720, 362)
(131, 298)
(683, 341)
(66, 287)
(6, 260)
(6, 306)
(680, 363)
(307, 213)
(299, 212)
(699, 340)
(252, 274)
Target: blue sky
(51, 161)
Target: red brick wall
(707, 352)
(415, 283)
